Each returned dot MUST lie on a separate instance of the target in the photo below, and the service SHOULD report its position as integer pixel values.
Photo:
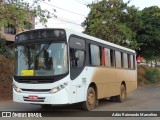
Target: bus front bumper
(60, 97)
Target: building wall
(10, 37)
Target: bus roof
(72, 32)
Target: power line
(85, 1)
(64, 22)
(82, 2)
(65, 9)
(68, 21)
(77, 20)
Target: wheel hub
(91, 99)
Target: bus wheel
(123, 94)
(91, 102)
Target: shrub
(141, 75)
(3, 47)
(153, 75)
(6, 51)
(147, 75)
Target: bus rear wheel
(123, 94)
(90, 103)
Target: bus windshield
(46, 59)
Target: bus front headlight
(58, 88)
(17, 89)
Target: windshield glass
(41, 59)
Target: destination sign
(40, 34)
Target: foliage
(17, 12)
(141, 75)
(115, 21)
(148, 75)
(153, 75)
(107, 20)
(148, 37)
(3, 47)
(134, 22)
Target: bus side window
(95, 55)
(118, 59)
(80, 58)
(77, 58)
(129, 60)
(112, 58)
(132, 61)
(122, 60)
(72, 57)
(107, 57)
(104, 57)
(125, 60)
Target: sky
(71, 13)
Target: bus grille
(35, 81)
(36, 90)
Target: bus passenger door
(77, 65)
(77, 73)
(80, 90)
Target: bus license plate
(32, 97)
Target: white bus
(61, 66)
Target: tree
(107, 20)
(115, 21)
(148, 37)
(134, 22)
(3, 47)
(17, 12)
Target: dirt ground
(6, 73)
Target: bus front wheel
(123, 94)
(90, 103)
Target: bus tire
(91, 101)
(123, 94)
